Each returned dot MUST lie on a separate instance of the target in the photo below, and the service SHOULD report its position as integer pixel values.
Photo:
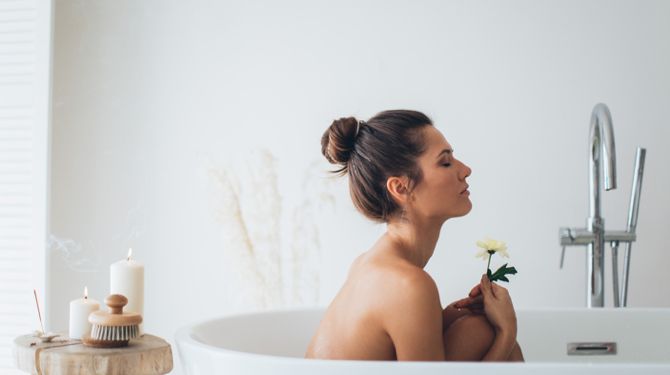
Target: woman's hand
(451, 313)
(473, 302)
(471, 305)
(498, 307)
(474, 305)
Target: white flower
(491, 245)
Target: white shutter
(25, 59)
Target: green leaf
(500, 273)
(500, 270)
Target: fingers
(468, 302)
(498, 290)
(475, 306)
(486, 288)
(475, 291)
(460, 303)
(464, 302)
(493, 288)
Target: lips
(466, 189)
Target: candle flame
(85, 292)
(130, 253)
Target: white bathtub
(274, 342)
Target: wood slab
(146, 355)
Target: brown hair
(387, 145)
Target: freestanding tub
(274, 342)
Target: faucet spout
(602, 152)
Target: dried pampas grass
(248, 206)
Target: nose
(467, 171)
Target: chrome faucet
(602, 153)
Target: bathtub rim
(183, 337)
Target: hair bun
(339, 139)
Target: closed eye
(446, 164)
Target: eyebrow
(445, 151)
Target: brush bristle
(119, 333)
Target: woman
(402, 171)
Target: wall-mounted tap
(602, 153)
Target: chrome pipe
(633, 212)
(615, 272)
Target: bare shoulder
(418, 281)
(400, 285)
(399, 275)
(415, 287)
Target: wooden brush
(115, 328)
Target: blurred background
(190, 131)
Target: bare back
(353, 325)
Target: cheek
(438, 185)
(449, 182)
(438, 188)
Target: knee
(469, 338)
(478, 326)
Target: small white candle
(79, 312)
(127, 278)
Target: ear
(398, 188)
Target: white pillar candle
(79, 312)
(127, 278)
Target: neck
(414, 239)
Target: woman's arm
(501, 348)
(500, 313)
(414, 319)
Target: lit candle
(79, 311)
(127, 278)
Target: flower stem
(489, 265)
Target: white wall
(148, 94)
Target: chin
(469, 205)
(466, 210)
(456, 214)
(459, 211)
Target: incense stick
(38, 310)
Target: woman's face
(442, 192)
